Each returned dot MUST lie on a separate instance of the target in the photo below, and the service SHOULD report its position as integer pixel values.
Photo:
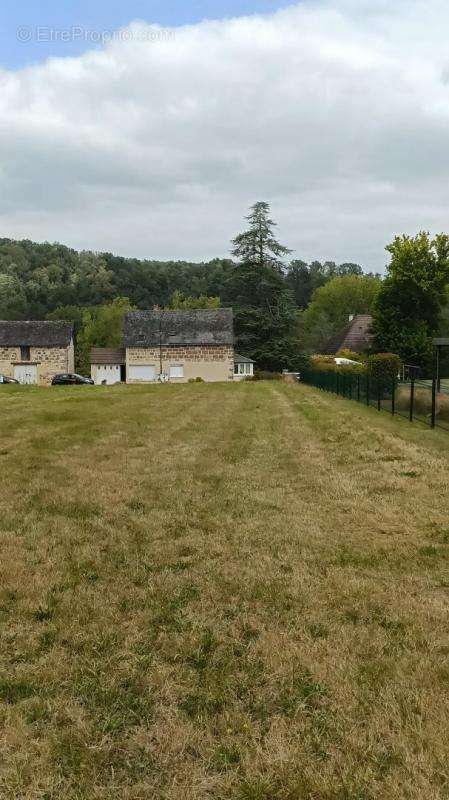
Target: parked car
(69, 378)
(6, 379)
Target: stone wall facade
(209, 362)
(7, 356)
(49, 361)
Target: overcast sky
(155, 144)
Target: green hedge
(264, 375)
(384, 367)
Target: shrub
(321, 358)
(442, 407)
(325, 367)
(384, 367)
(322, 363)
(264, 375)
(352, 369)
(345, 353)
(422, 402)
(199, 380)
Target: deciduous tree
(331, 306)
(408, 310)
(179, 301)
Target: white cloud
(336, 111)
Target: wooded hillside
(35, 279)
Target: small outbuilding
(243, 367)
(108, 365)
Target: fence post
(350, 387)
(393, 397)
(343, 380)
(338, 383)
(378, 394)
(367, 390)
(358, 388)
(434, 403)
(412, 398)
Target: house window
(25, 354)
(243, 369)
(176, 371)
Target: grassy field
(220, 591)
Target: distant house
(108, 365)
(243, 367)
(35, 351)
(356, 336)
(179, 345)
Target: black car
(6, 379)
(69, 378)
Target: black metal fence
(416, 400)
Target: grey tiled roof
(184, 327)
(355, 336)
(242, 359)
(35, 333)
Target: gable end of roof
(355, 336)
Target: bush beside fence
(414, 400)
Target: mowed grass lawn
(220, 591)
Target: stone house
(35, 351)
(179, 345)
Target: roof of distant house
(107, 355)
(355, 336)
(183, 327)
(35, 333)
(242, 359)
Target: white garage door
(143, 373)
(25, 373)
(108, 374)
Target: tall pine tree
(264, 310)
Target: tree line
(94, 290)
(35, 279)
(284, 309)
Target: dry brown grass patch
(228, 592)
